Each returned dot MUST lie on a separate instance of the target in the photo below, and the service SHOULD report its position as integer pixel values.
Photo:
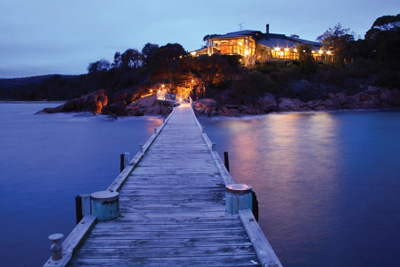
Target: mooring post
(226, 160)
(86, 209)
(238, 197)
(124, 161)
(78, 209)
(141, 148)
(213, 146)
(105, 205)
(56, 246)
(255, 205)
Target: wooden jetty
(172, 209)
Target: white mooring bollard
(238, 197)
(56, 246)
(105, 205)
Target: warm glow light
(163, 86)
(281, 53)
(277, 49)
(192, 81)
(193, 53)
(180, 99)
(329, 52)
(151, 90)
(312, 51)
(295, 50)
(320, 51)
(240, 43)
(246, 53)
(287, 49)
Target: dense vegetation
(374, 60)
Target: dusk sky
(63, 37)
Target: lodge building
(255, 46)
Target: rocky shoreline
(371, 98)
(122, 104)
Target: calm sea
(328, 184)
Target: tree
(162, 58)
(384, 23)
(131, 59)
(337, 39)
(383, 39)
(213, 70)
(148, 51)
(117, 60)
(101, 65)
(306, 60)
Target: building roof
(270, 39)
(255, 34)
(281, 40)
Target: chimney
(267, 32)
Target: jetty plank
(172, 203)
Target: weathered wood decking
(173, 210)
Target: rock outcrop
(372, 98)
(97, 103)
(148, 106)
(93, 102)
(121, 104)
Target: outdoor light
(295, 50)
(320, 51)
(193, 53)
(312, 51)
(240, 43)
(287, 49)
(277, 49)
(329, 52)
(281, 53)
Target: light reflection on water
(328, 183)
(316, 177)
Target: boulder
(268, 103)
(289, 104)
(148, 105)
(93, 102)
(118, 109)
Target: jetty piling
(226, 160)
(125, 158)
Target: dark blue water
(45, 161)
(328, 184)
